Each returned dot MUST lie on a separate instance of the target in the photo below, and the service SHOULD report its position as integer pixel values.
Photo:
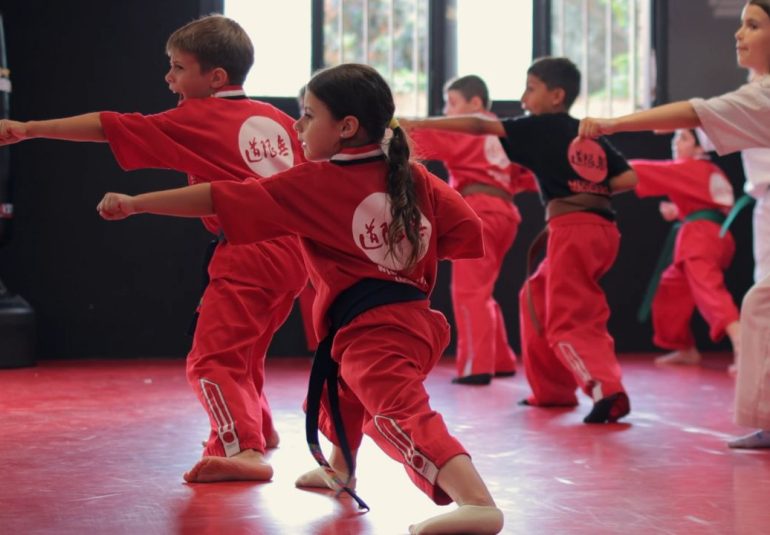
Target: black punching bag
(17, 320)
(6, 208)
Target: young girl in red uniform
(364, 215)
(479, 169)
(700, 196)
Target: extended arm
(623, 182)
(468, 124)
(87, 127)
(666, 117)
(190, 201)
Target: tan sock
(470, 519)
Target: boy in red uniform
(215, 134)
(479, 169)
(563, 310)
(372, 226)
(700, 196)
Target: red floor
(95, 447)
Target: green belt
(666, 257)
(739, 205)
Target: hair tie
(393, 124)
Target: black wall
(126, 289)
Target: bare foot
(756, 440)
(471, 519)
(319, 479)
(688, 357)
(272, 440)
(248, 465)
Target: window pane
(495, 42)
(281, 33)
(389, 35)
(609, 42)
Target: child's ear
(477, 103)
(558, 95)
(219, 78)
(349, 127)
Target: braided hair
(359, 90)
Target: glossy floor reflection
(100, 447)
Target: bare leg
(272, 440)
(318, 478)
(734, 333)
(689, 356)
(248, 465)
(476, 512)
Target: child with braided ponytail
(372, 226)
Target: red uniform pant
(694, 279)
(572, 348)
(482, 340)
(226, 364)
(385, 355)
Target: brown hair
(216, 42)
(558, 73)
(764, 5)
(470, 86)
(360, 91)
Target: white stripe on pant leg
(574, 361)
(390, 430)
(225, 424)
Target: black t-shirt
(540, 143)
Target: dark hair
(360, 91)
(469, 86)
(216, 42)
(764, 5)
(301, 100)
(558, 73)
(694, 135)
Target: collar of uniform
(351, 155)
(230, 91)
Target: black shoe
(478, 379)
(609, 409)
(505, 374)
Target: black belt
(207, 256)
(362, 296)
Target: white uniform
(736, 121)
(756, 167)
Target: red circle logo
(588, 159)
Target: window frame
(442, 42)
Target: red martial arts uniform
(252, 287)
(482, 341)
(340, 211)
(571, 347)
(695, 277)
